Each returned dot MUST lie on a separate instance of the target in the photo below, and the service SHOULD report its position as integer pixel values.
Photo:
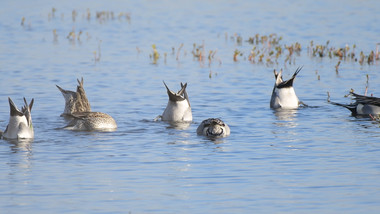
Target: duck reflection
(215, 141)
(178, 125)
(20, 145)
(23, 149)
(286, 117)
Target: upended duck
(75, 101)
(20, 124)
(213, 128)
(363, 105)
(284, 95)
(78, 110)
(178, 108)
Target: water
(315, 160)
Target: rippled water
(317, 159)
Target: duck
(213, 128)
(20, 124)
(284, 95)
(178, 108)
(78, 111)
(363, 106)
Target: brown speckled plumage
(78, 110)
(90, 121)
(75, 101)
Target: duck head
(213, 128)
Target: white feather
(177, 111)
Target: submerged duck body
(363, 105)
(214, 128)
(178, 108)
(284, 95)
(20, 124)
(78, 110)
(91, 121)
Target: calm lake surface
(317, 159)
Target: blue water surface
(317, 159)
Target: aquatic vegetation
(211, 57)
(342, 53)
(155, 56)
(74, 15)
(29, 26)
(262, 49)
(55, 36)
(211, 74)
(178, 51)
(198, 51)
(97, 55)
(236, 54)
(337, 66)
(22, 21)
(239, 39)
(294, 48)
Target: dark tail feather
(13, 109)
(289, 83)
(351, 107)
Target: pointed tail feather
(351, 107)
(289, 83)
(13, 108)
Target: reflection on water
(17, 145)
(178, 125)
(22, 148)
(286, 117)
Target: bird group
(78, 112)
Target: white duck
(283, 95)
(178, 108)
(20, 124)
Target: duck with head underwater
(178, 108)
(284, 95)
(75, 101)
(364, 106)
(20, 124)
(78, 110)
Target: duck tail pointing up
(289, 83)
(13, 108)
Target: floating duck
(213, 128)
